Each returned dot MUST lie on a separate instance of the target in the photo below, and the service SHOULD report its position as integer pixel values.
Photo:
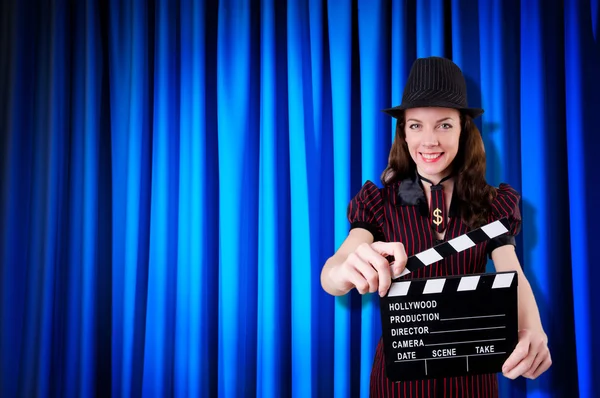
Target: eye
(414, 126)
(445, 126)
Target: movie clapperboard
(450, 326)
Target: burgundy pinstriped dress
(399, 213)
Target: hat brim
(397, 111)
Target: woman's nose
(429, 138)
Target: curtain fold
(273, 360)
(375, 143)
(340, 53)
(238, 110)
(582, 59)
(131, 46)
(174, 175)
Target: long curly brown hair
(471, 191)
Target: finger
(356, 273)
(522, 367)
(358, 281)
(400, 259)
(395, 249)
(543, 366)
(519, 353)
(369, 273)
(382, 267)
(539, 358)
(528, 367)
(381, 279)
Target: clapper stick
(451, 325)
(456, 245)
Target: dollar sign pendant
(437, 217)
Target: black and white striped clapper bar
(450, 326)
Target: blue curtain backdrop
(173, 176)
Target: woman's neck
(435, 179)
(448, 188)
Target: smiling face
(432, 137)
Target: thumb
(395, 250)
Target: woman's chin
(433, 170)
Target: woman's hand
(531, 356)
(367, 268)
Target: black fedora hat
(434, 82)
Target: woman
(435, 190)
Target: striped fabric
(388, 213)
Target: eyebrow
(441, 120)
